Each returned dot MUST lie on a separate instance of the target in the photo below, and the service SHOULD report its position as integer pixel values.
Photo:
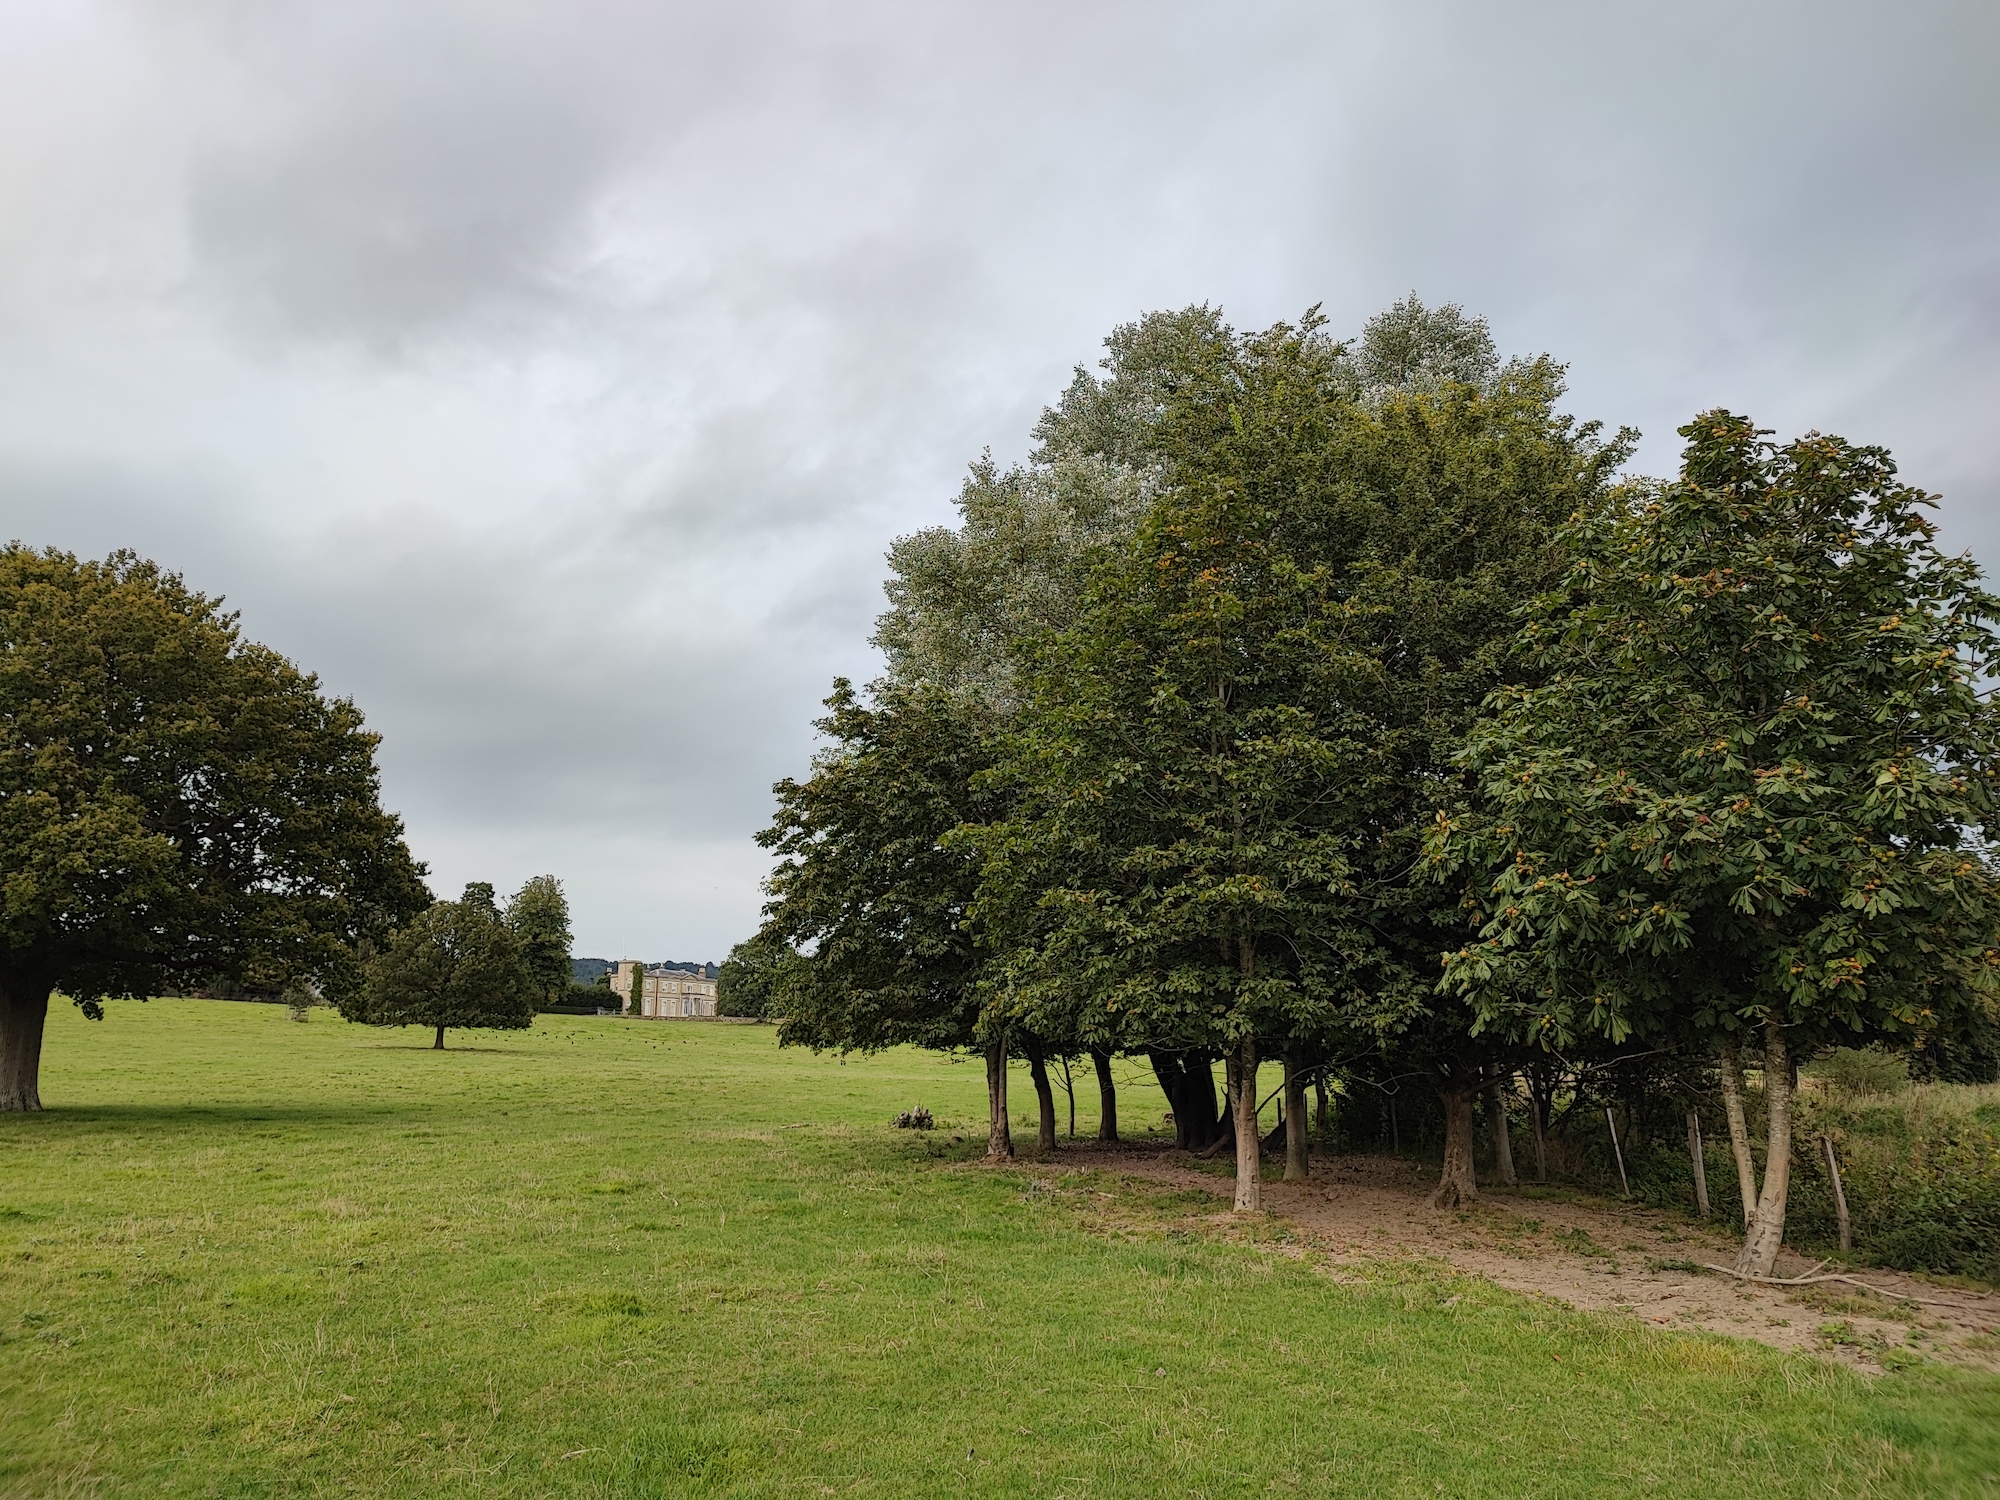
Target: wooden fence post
(1617, 1151)
(1700, 1167)
(1839, 1194)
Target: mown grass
(242, 1256)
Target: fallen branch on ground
(1811, 1280)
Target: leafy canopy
(455, 964)
(1756, 778)
(177, 805)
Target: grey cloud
(551, 377)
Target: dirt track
(1590, 1254)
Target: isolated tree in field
(538, 913)
(455, 964)
(178, 806)
(1749, 803)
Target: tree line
(1340, 705)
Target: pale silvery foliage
(965, 602)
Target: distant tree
(1750, 802)
(636, 997)
(539, 917)
(456, 964)
(179, 807)
(752, 979)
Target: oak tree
(179, 806)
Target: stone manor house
(669, 994)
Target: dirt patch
(1592, 1254)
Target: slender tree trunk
(1496, 1126)
(999, 1138)
(24, 1011)
(1107, 1096)
(1538, 1093)
(1069, 1093)
(1700, 1166)
(1729, 1067)
(438, 1045)
(1298, 1148)
(1456, 1185)
(1045, 1098)
(1762, 1239)
(1395, 1131)
(1323, 1108)
(1249, 1168)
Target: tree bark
(24, 1011)
(1045, 1098)
(1189, 1085)
(1700, 1166)
(1243, 1100)
(1496, 1126)
(1298, 1121)
(438, 1045)
(999, 1138)
(1537, 1100)
(1107, 1096)
(1729, 1068)
(1456, 1185)
(1323, 1108)
(1762, 1239)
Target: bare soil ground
(1592, 1254)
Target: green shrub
(1863, 1070)
(1922, 1174)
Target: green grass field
(244, 1256)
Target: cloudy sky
(550, 375)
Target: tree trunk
(1729, 1067)
(1762, 1239)
(1298, 1148)
(438, 1045)
(24, 1011)
(1496, 1126)
(1107, 1096)
(1456, 1185)
(1243, 1091)
(1538, 1099)
(1700, 1166)
(1167, 1069)
(1323, 1107)
(1045, 1098)
(1189, 1086)
(999, 1138)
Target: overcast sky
(550, 377)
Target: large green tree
(1227, 765)
(456, 963)
(867, 887)
(538, 913)
(178, 805)
(1746, 800)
